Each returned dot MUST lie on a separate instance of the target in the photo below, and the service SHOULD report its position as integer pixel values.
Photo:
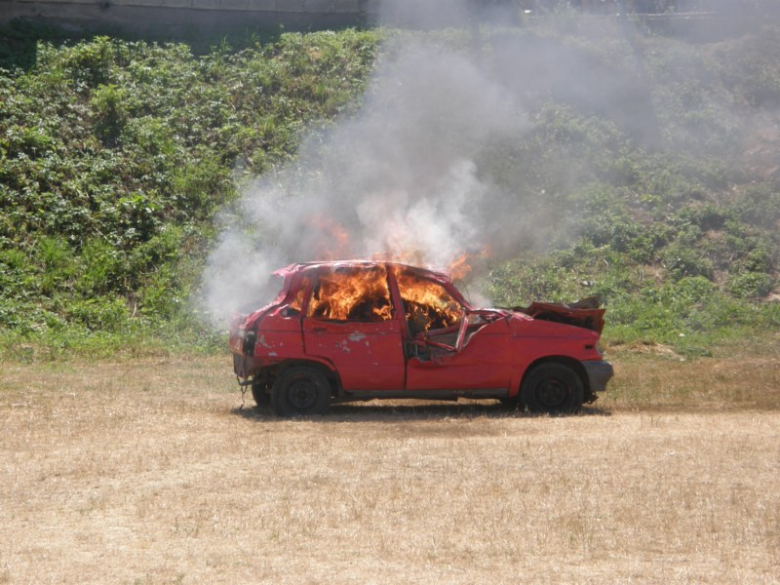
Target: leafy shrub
(100, 314)
(750, 285)
(682, 261)
(101, 268)
(759, 205)
(747, 64)
(110, 111)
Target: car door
(449, 346)
(350, 322)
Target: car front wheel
(300, 391)
(553, 388)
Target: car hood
(585, 313)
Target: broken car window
(351, 293)
(296, 304)
(294, 307)
(427, 304)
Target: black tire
(300, 391)
(553, 388)
(260, 394)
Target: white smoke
(430, 169)
(398, 180)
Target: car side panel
(485, 362)
(367, 355)
(537, 340)
(279, 336)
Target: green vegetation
(679, 237)
(115, 156)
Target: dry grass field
(147, 471)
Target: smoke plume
(412, 176)
(397, 181)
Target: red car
(358, 330)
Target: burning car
(358, 330)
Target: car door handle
(318, 330)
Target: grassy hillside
(114, 157)
(657, 168)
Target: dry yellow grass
(147, 472)
(665, 381)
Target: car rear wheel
(553, 388)
(300, 391)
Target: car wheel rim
(302, 395)
(552, 393)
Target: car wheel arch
(326, 369)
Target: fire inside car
(360, 330)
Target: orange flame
(461, 266)
(428, 305)
(334, 238)
(360, 293)
(351, 293)
(334, 243)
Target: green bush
(100, 314)
(750, 285)
(108, 103)
(683, 261)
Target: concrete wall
(186, 15)
(209, 16)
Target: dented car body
(358, 330)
